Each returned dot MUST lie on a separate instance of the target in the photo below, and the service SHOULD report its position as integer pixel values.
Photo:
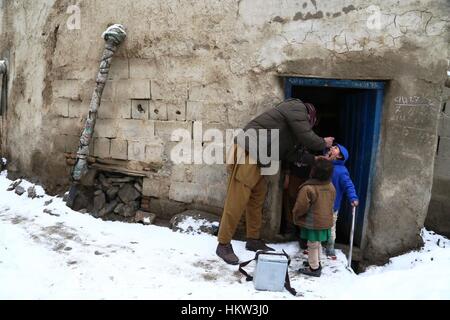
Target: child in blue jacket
(343, 184)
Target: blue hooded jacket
(342, 181)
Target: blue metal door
(359, 123)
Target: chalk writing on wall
(412, 101)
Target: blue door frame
(360, 122)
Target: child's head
(335, 153)
(322, 170)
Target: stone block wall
(438, 218)
(136, 119)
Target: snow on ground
(62, 254)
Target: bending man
(247, 187)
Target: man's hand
(329, 141)
(324, 157)
(355, 203)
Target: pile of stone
(116, 194)
(112, 196)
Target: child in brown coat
(313, 213)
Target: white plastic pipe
(351, 238)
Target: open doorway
(350, 111)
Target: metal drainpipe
(3, 103)
(4, 90)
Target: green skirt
(315, 235)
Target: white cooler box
(270, 272)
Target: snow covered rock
(195, 222)
(20, 190)
(13, 185)
(31, 191)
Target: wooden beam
(118, 169)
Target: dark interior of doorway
(329, 104)
(343, 113)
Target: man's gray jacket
(291, 119)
